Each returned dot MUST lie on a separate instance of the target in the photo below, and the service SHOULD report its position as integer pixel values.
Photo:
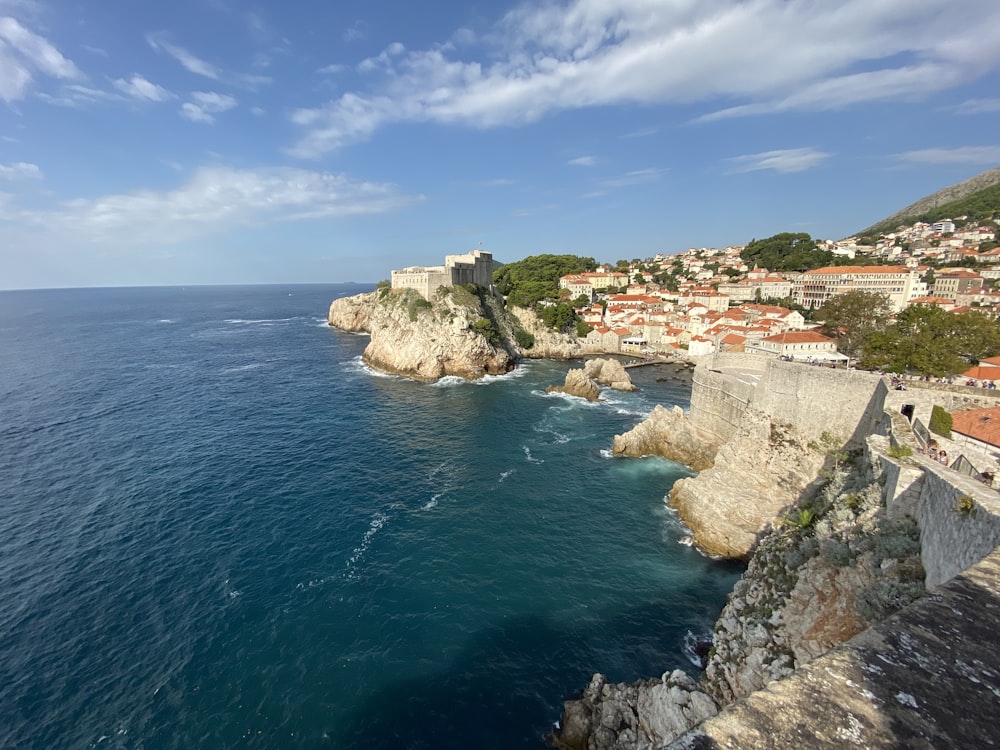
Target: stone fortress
(475, 267)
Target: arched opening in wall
(907, 411)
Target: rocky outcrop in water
(578, 384)
(644, 715)
(671, 434)
(586, 382)
(609, 372)
(456, 334)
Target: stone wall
(923, 396)
(848, 404)
(953, 536)
(719, 401)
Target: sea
(220, 529)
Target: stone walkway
(927, 677)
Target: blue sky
(216, 141)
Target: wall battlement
(471, 268)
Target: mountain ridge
(951, 194)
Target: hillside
(978, 196)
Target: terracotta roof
(733, 338)
(799, 337)
(859, 269)
(982, 373)
(981, 424)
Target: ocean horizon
(221, 529)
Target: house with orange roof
(978, 429)
(957, 283)
(699, 345)
(943, 302)
(800, 345)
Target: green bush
(940, 422)
(966, 505)
(415, 304)
(900, 451)
(524, 339)
(484, 327)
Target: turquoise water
(221, 530)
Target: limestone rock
(671, 434)
(419, 339)
(548, 344)
(757, 473)
(578, 384)
(643, 715)
(609, 372)
(353, 314)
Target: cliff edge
(458, 333)
(464, 330)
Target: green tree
(786, 252)
(526, 282)
(852, 317)
(928, 340)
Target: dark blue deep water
(219, 530)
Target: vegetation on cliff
(533, 283)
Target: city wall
(853, 406)
(816, 400)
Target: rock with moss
(811, 587)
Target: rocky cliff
(764, 467)
(462, 331)
(831, 566)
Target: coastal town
(705, 300)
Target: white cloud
(635, 177)
(19, 170)
(978, 155)
(357, 31)
(76, 95)
(744, 57)
(978, 106)
(383, 60)
(783, 160)
(583, 161)
(331, 69)
(139, 88)
(189, 61)
(24, 53)
(214, 200)
(205, 105)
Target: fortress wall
(848, 404)
(952, 540)
(719, 402)
(423, 280)
(951, 398)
